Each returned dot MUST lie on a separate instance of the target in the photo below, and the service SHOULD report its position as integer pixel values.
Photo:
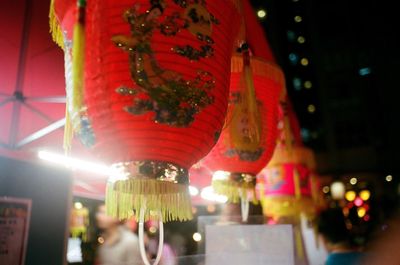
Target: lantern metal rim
(149, 170)
(235, 177)
(235, 185)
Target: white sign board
(249, 244)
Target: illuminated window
(297, 83)
(304, 62)
(364, 71)
(294, 59)
(305, 134)
(301, 39)
(291, 35)
(308, 84)
(353, 181)
(298, 19)
(311, 108)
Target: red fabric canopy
(32, 90)
(31, 78)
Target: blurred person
(336, 238)
(385, 249)
(120, 245)
(169, 256)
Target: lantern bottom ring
(235, 185)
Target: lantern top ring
(149, 170)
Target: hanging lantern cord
(141, 238)
(244, 204)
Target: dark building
(341, 61)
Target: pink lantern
(288, 186)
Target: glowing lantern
(79, 221)
(238, 156)
(249, 136)
(149, 88)
(288, 185)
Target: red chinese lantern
(149, 90)
(249, 136)
(235, 163)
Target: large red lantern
(149, 90)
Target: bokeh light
(353, 181)
(197, 237)
(361, 212)
(261, 13)
(365, 195)
(350, 195)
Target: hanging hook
(141, 238)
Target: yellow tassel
(55, 27)
(287, 206)
(245, 126)
(78, 59)
(234, 191)
(297, 186)
(68, 131)
(125, 197)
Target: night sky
(346, 96)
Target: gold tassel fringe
(297, 187)
(78, 62)
(68, 131)
(55, 27)
(126, 197)
(285, 206)
(234, 191)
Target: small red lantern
(149, 88)
(236, 164)
(249, 136)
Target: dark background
(353, 55)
